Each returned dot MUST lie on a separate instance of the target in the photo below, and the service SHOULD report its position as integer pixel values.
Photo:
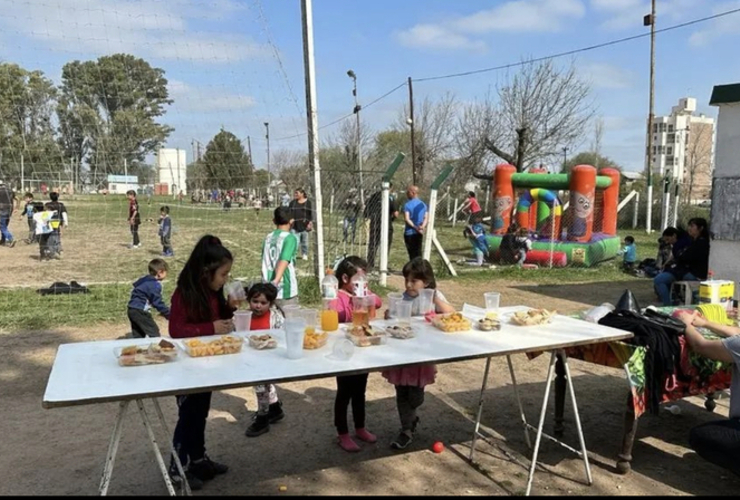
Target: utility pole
(267, 136)
(249, 149)
(650, 18)
(565, 158)
(313, 130)
(356, 111)
(413, 135)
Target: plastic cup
(403, 313)
(295, 329)
(235, 290)
(425, 301)
(360, 311)
(493, 300)
(393, 299)
(342, 350)
(242, 321)
(292, 311)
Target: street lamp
(356, 111)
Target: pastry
(488, 324)
(262, 342)
(532, 317)
(400, 332)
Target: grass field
(96, 253)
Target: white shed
(172, 170)
(725, 220)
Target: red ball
(438, 447)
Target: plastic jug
(598, 312)
(329, 285)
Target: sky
(237, 64)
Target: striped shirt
(280, 245)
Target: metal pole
(125, 173)
(267, 136)
(249, 149)
(356, 111)
(23, 172)
(313, 128)
(413, 135)
(666, 201)
(651, 117)
(675, 201)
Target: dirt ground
(61, 451)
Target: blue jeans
(663, 282)
(302, 240)
(4, 221)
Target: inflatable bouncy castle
(583, 235)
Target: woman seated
(691, 264)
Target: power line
(576, 51)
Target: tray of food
(260, 342)
(365, 335)
(532, 317)
(315, 339)
(488, 324)
(154, 353)
(214, 345)
(451, 322)
(400, 331)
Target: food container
(214, 345)
(365, 336)
(400, 332)
(154, 353)
(532, 317)
(315, 340)
(488, 324)
(451, 322)
(261, 342)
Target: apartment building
(683, 146)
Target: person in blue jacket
(147, 293)
(629, 254)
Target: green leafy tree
(225, 163)
(590, 158)
(26, 113)
(108, 111)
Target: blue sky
(238, 63)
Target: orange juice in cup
(329, 320)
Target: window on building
(655, 127)
(669, 150)
(655, 149)
(670, 127)
(687, 138)
(661, 128)
(671, 138)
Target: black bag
(665, 321)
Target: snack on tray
(260, 342)
(488, 324)
(365, 335)
(315, 340)
(226, 344)
(532, 317)
(452, 322)
(152, 354)
(400, 332)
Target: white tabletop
(88, 372)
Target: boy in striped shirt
(278, 258)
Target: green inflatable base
(601, 247)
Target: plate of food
(402, 332)
(365, 335)
(488, 324)
(261, 342)
(215, 345)
(154, 353)
(451, 322)
(531, 317)
(315, 340)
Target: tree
(225, 163)
(108, 110)
(26, 114)
(698, 160)
(590, 158)
(539, 111)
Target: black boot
(260, 425)
(276, 413)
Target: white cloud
(517, 16)
(155, 28)
(607, 76)
(728, 25)
(205, 99)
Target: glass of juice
(329, 317)
(360, 313)
(311, 318)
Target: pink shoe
(366, 436)
(347, 443)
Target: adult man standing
(373, 212)
(415, 214)
(351, 212)
(8, 206)
(301, 211)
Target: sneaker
(206, 469)
(260, 425)
(11, 244)
(276, 413)
(194, 483)
(402, 441)
(304, 257)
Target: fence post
(637, 210)
(454, 214)
(429, 230)
(488, 196)
(449, 202)
(385, 216)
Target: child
(629, 253)
(147, 293)
(278, 258)
(477, 233)
(266, 314)
(59, 220)
(410, 382)
(42, 221)
(165, 231)
(28, 214)
(134, 219)
(199, 308)
(350, 387)
(524, 244)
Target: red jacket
(179, 326)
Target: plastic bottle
(329, 285)
(360, 284)
(598, 312)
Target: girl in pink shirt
(350, 387)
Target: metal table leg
(155, 448)
(175, 456)
(560, 382)
(110, 458)
(519, 402)
(480, 408)
(543, 411)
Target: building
(172, 171)
(725, 220)
(683, 149)
(119, 184)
